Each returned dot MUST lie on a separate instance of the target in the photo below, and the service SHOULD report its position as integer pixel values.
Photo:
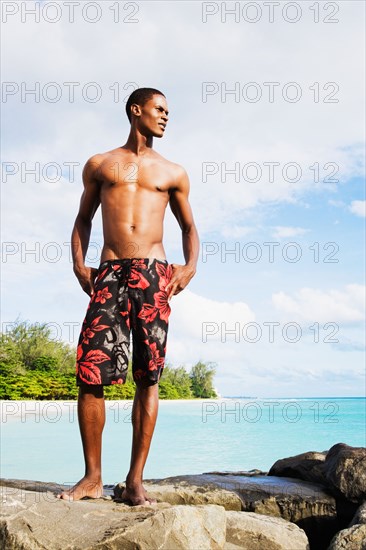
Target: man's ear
(135, 109)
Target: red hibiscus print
(156, 361)
(87, 369)
(165, 274)
(162, 305)
(127, 314)
(89, 332)
(103, 295)
(79, 354)
(137, 280)
(148, 313)
(119, 381)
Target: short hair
(140, 97)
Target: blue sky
(310, 303)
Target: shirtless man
(132, 288)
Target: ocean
(40, 440)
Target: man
(132, 288)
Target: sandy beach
(53, 409)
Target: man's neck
(138, 143)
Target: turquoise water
(41, 441)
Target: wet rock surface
(306, 466)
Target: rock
(307, 504)
(306, 466)
(248, 473)
(255, 532)
(360, 515)
(176, 528)
(32, 520)
(185, 493)
(345, 469)
(353, 538)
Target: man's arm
(89, 202)
(181, 209)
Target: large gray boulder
(256, 532)
(353, 538)
(32, 518)
(345, 469)
(307, 504)
(307, 466)
(291, 499)
(360, 515)
(175, 528)
(35, 520)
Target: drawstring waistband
(131, 262)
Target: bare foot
(136, 495)
(83, 488)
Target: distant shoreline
(15, 408)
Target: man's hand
(182, 274)
(86, 277)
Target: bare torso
(134, 192)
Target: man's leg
(91, 415)
(144, 414)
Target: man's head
(148, 109)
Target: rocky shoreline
(312, 501)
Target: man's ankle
(133, 480)
(93, 477)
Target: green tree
(202, 380)
(32, 341)
(177, 378)
(33, 365)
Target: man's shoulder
(100, 157)
(177, 169)
(95, 162)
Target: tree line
(35, 366)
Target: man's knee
(90, 391)
(144, 384)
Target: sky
(266, 103)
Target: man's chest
(134, 176)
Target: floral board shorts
(129, 296)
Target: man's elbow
(189, 229)
(83, 221)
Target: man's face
(153, 116)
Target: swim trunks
(129, 296)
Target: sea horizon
(41, 439)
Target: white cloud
(314, 305)
(305, 132)
(282, 231)
(358, 208)
(191, 312)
